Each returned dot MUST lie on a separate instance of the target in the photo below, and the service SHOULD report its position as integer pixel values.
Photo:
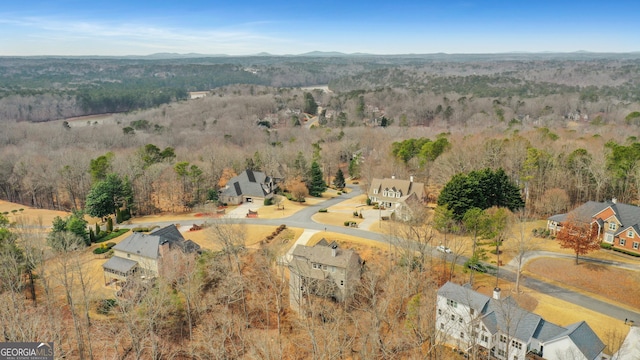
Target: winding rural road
(303, 219)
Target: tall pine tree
(338, 181)
(316, 184)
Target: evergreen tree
(338, 181)
(480, 189)
(310, 105)
(108, 195)
(316, 184)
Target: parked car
(477, 267)
(443, 249)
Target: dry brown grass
(607, 283)
(46, 216)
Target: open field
(605, 282)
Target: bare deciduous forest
(563, 128)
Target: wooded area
(559, 130)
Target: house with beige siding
(323, 270)
(147, 255)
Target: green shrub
(323, 210)
(625, 251)
(368, 201)
(105, 306)
(605, 246)
(268, 201)
(111, 235)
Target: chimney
(411, 178)
(496, 293)
(614, 200)
(334, 250)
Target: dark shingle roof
(248, 183)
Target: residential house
(498, 327)
(149, 255)
(618, 223)
(249, 186)
(322, 270)
(397, 195)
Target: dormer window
(391, 193)
(612, 226)
(375, 191)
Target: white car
(443, 249)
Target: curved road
(302, 219)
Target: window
(460, 319)
(439, 311)
(612, 226)
(453, 317)
(485, 338)
(472, 311)
(341, 282)
(314, 265)
(375, 191)
(441, 325)
(500, 352)
(635, 245)
(461, 335)
(398, 194)
(324, 267)
(128, 255)
(623, 242)
(333, 269)
(503, 339)
(630, 233)
(452, 303)
(384, 193)
(516, 344)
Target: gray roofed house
(144, 253)
(249, 186)
(397, 195)
(618, 223)
(498, 328)
(322, 270)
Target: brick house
(618, 223)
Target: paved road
(302, 219)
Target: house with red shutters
(618, 223)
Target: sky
(133, 27)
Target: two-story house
(249, 186)
(397, 195)
(498, 327)
(148, 255)
(618, 223)
(322, 270)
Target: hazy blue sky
(119, 27)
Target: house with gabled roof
(323, 270)
(497, 328)
(397, 195)
(148, 255)
(249, 186)
(618, 223)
